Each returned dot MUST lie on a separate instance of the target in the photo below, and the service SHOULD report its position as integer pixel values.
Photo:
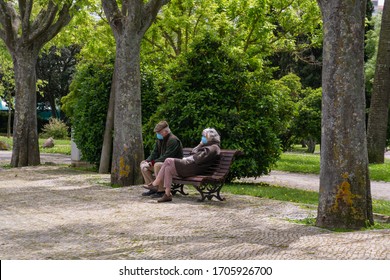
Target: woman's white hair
(211, 134)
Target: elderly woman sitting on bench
(200, 159)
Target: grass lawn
(292, 195)
(310, 163)
(60, 146)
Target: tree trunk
(53, 107)
(128, 144)
(25, 135)
(345, 198)
(379, 110)
(311, 146)
(129, 25)
(105, 157)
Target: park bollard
(75, 155)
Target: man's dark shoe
(158, 194)
(165, 198)
(148, 193)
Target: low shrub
(56, 129)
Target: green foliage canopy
(235, 81)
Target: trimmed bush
(211, 88)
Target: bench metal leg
(209, 191)
(178, 188)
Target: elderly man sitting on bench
(167, 146)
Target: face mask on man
(159, 136)
(204, 140)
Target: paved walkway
(46, 158)
(53, 212)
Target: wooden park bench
(209, 184)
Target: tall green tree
(129, 20)
(345, 197)
(25, 27)
(380, 98)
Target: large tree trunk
(25, 135)
(128, 144)
(379, 110)
(345, 198)
(129, 24)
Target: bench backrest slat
(220, 169)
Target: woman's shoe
(165, 198)
(150, 187)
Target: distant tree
(307, 124)
(55, 68)
(345, 195)
(298, 40)
(371, 52)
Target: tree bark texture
(129, 22)
(25, 134)
(379, 110)
(345, 198)
(24, 38)
(128, 143)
